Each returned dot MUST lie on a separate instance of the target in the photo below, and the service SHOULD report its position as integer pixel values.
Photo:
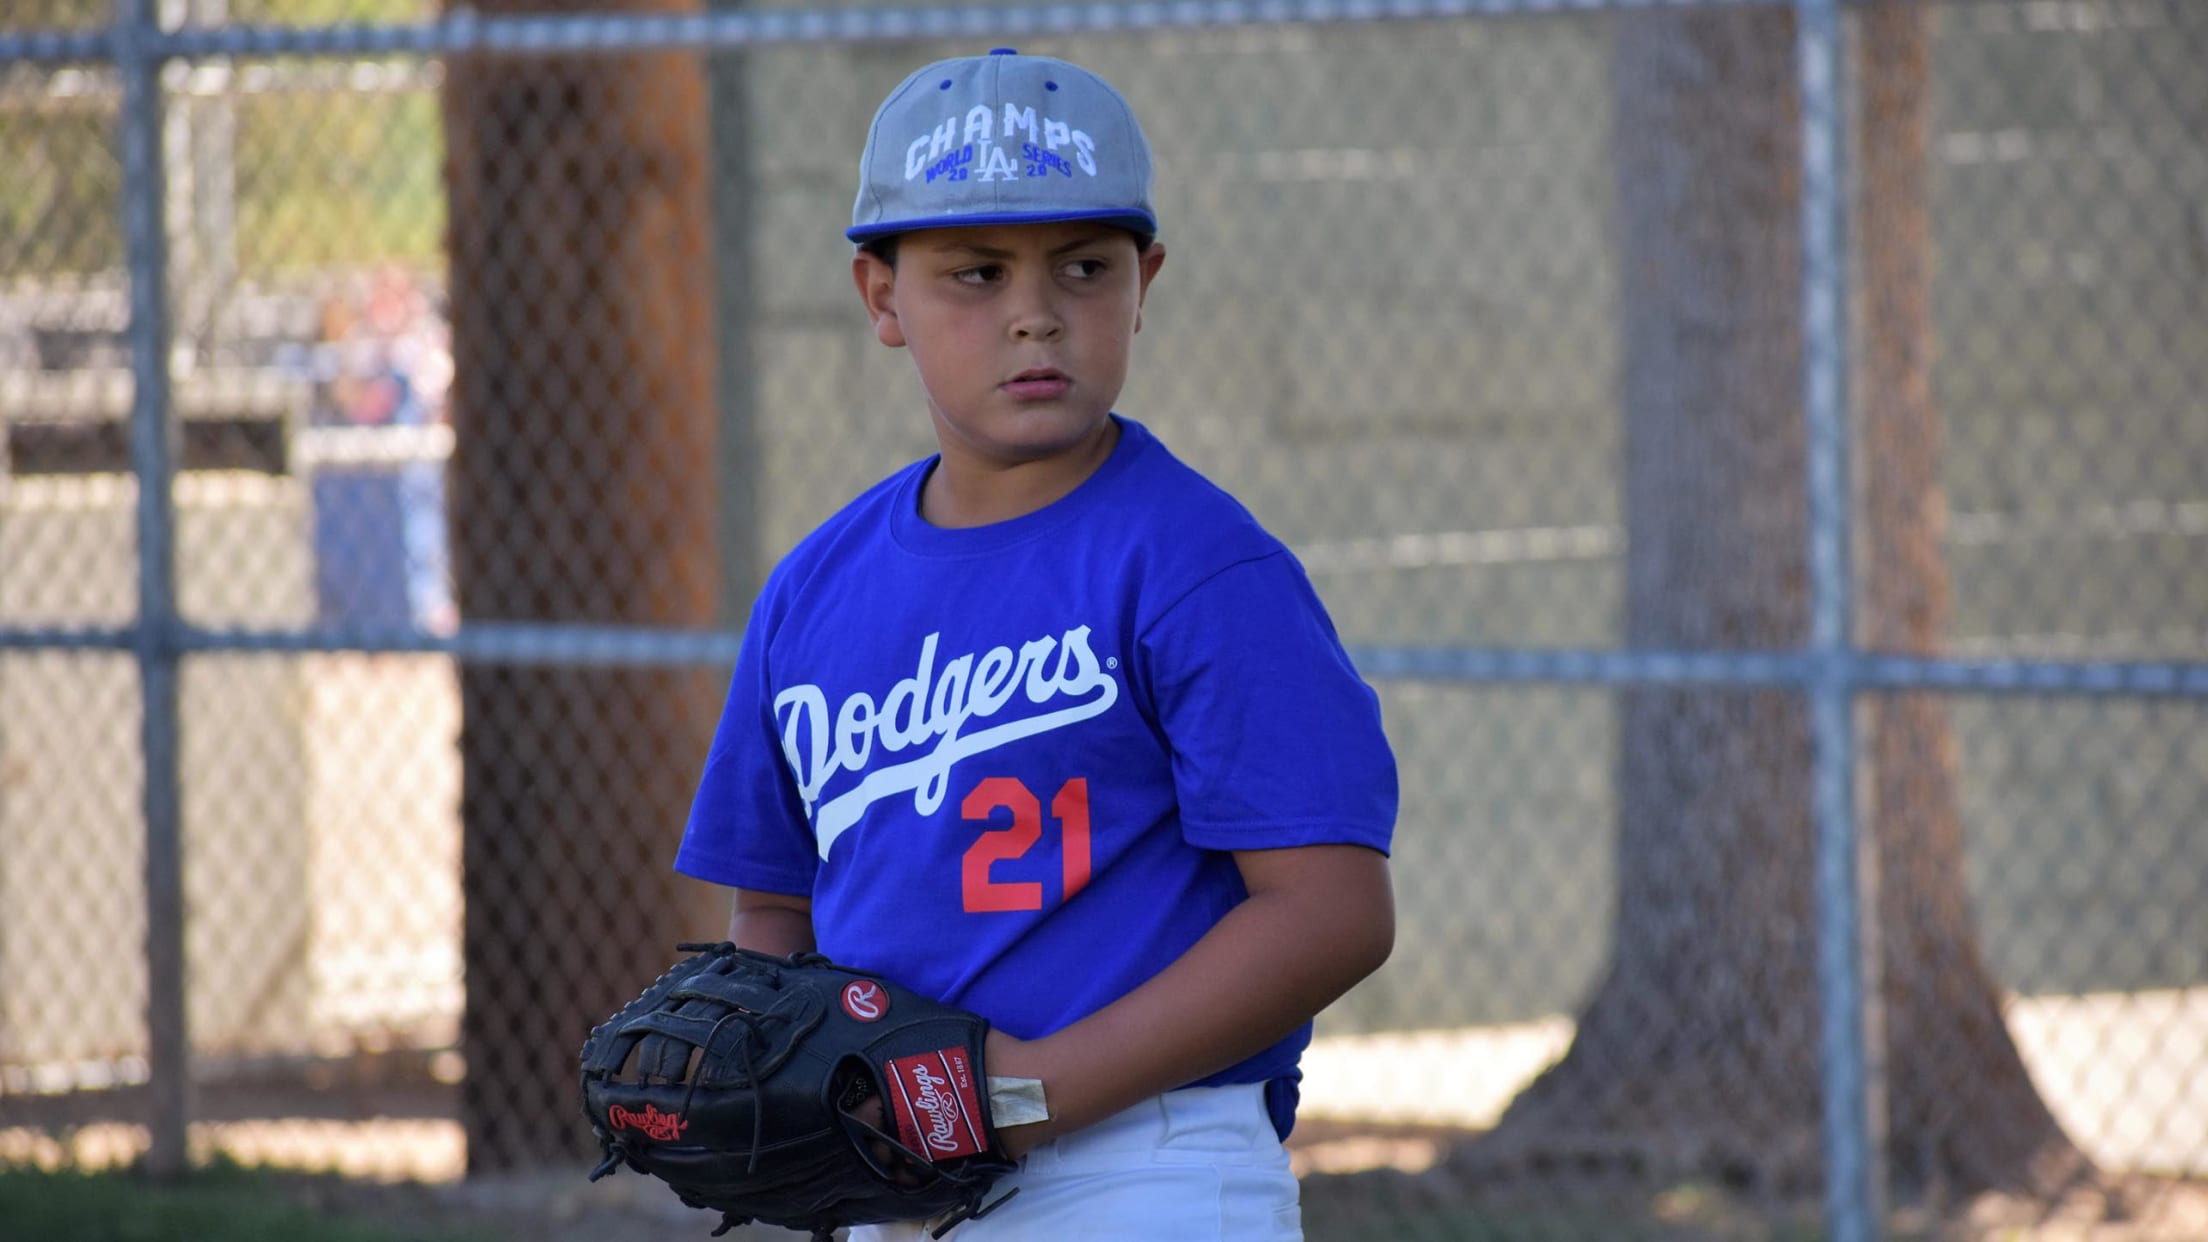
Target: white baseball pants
(1196, 1165)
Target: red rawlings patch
(651, 1123)
(935, 1104)
(865, 1000)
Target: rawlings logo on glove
(739, 1079)
(936, 1107)
(651, 1123)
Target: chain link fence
(501, 356)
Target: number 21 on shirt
(1069, 810)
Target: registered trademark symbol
(1111, 662)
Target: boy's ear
(1148, 264)
(877, 285)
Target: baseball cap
(1002, 139)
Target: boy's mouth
(1038, 383)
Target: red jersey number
(1070, 808)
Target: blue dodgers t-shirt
(1007, 762)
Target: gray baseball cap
(1002, 139)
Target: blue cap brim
(1133, 221)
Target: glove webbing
(680, 1027)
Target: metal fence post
(1847, 957)
(155, 638)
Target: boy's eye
(982, 275)
(1085, 269)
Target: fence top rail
(649, 646)
(467, 31)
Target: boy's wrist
(1019, 1093)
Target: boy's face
(1021, 332)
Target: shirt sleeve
(748, 827)
(1276, 740)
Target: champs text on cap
(1002, 139)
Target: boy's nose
(1037, 325)
(1035, 314)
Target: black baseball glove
(740, 1079)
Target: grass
(219, 1203)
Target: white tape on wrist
(1017, 1101)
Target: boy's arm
(1318, 919)
(776, 923)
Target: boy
(1046, 725)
